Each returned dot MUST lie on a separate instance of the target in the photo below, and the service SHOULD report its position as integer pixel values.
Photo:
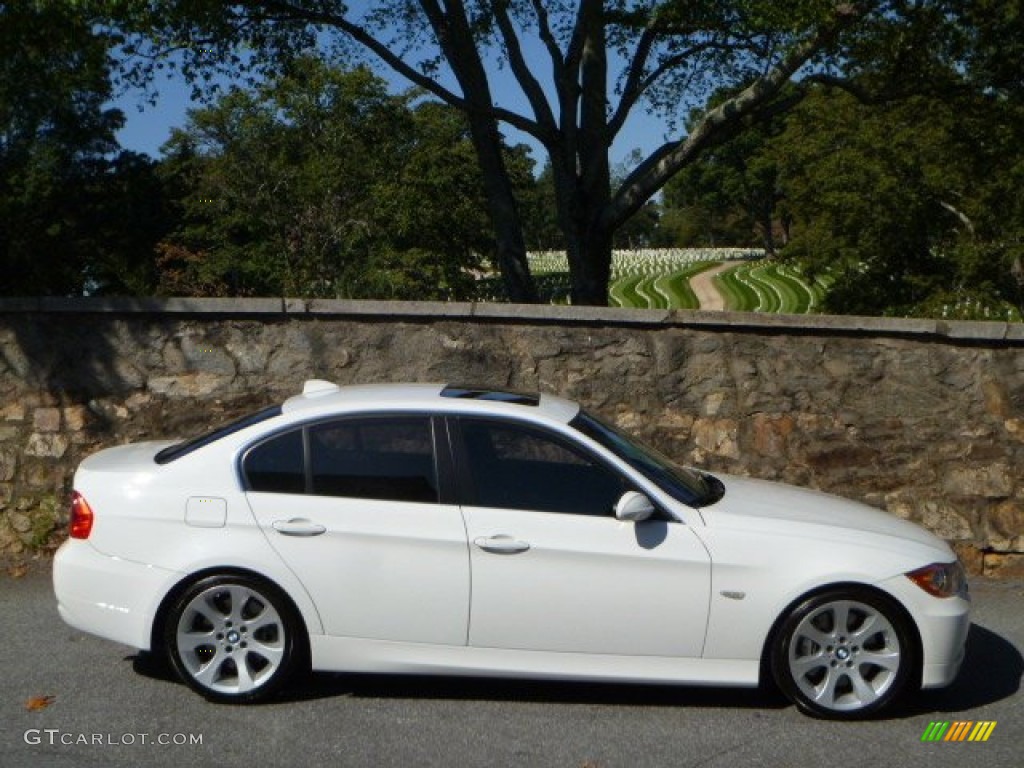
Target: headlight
(941, 579)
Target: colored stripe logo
(961, 730)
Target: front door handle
(501, 544)
(298, 526)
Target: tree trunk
(504, 212)
(591, 254)
(767, 226)
(588, 245)
(451, 25)
(583, 176)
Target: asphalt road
(111, 707)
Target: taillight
(81, 517)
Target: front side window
(693, 488)
(519, 467)
(375, 458)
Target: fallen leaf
(17, 571)
(37, 703)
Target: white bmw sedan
(449, 530)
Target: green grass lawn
(769, 287)
(660, 279)
(657, 289)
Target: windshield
(693, 488)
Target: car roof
(326, 397)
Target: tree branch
(656, 170)
(631, 96)
(962, 217)
(288, 12)
(544, 27)
(631, 89)
(531, 87)
(565, 83)
(859, 93)
(574, 52)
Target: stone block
(945, 521)
(12, 412)
(43, 474)
(713, 403)
(8, 537)
(1006, 525)
(771, 434)
(899, 507)
(8, 464)
(997, 403)
(976, 330)
(206, 356)
(1015, 428)
(47, 446)
(76, 417)
(842, 458)
(992, 481)
(972, 558)
(46, 419)
(1004, 565)
(19, 522)
(187, 384)
(249, 356)
(717, 437)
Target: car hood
(778, 508)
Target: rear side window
(376, 458)
(277, 465)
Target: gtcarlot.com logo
(56, 737)
(966, 730)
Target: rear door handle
(501, 544)
(298, 526)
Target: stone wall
(922, 418)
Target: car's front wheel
(844, 654)
(233, 638)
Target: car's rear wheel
(233, 638)
(844, 654)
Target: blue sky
(148, 126)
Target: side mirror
(633, 507)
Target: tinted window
(498, 395)
(696, 489)
(277, 465)
(382, 458)
(515, 467)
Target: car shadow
(991, 672)
(152, 665)
(368, 686)
(327, 685)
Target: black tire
(234, 638)
(844, 654)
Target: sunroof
(483, 393)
